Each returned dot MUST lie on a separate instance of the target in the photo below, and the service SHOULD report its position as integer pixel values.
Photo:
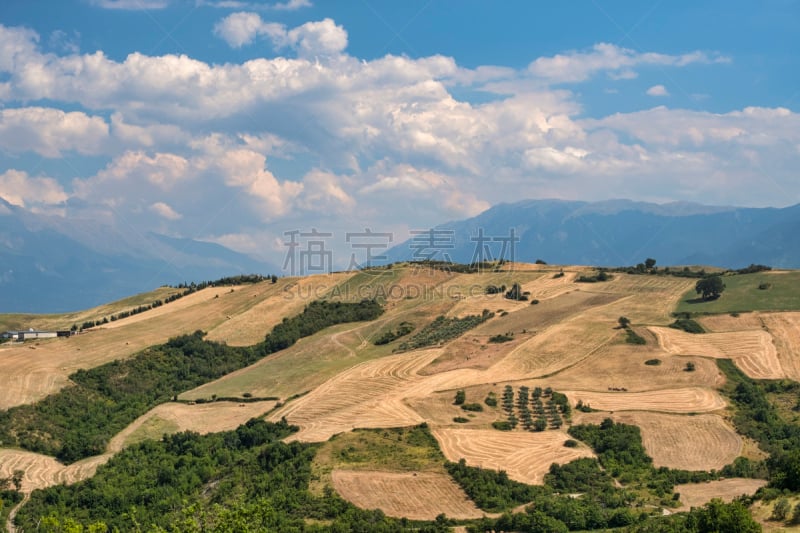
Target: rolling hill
(376, 401)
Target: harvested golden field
(683, 400)
(275, 301)
(752, 350)
(525, 456)
(699, 494)
(622, 366)
(418, 496)
(367, 395)
(305, 365)
(650, 299)
(698, 442)
(469, 291)
(42, 471)
(785, 330)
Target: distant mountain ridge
(624, 232)
(52, 264)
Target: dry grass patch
(683, 400)
(274, 302)
(308, 363)
(699, 494)
(753, 351)
(201, 418)
(418, 496)
(525, 456)
(700, 442)
(726, 322)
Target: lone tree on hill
(710, 287)
(624, 322)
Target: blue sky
(235, 121)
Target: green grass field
(742, 294)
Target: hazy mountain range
(49, 264)
(622, 232)
(52, 264)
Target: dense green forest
(241, 480)
(79, 420)
(758, 418)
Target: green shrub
(653, 362)
(388, 336)
(500, 338)
(634, 338)
(461, 397)
(472, 407)
(443, 329)
(502, 425)
(688, 325)
(570, 443)
(460, 420)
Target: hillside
(446, 372)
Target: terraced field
(525, 456)
(752, 350)
(41, 471)
(785, 331)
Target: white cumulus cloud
(20, 189)
(320, 38)
(618, 62)
(164, 210)
(657, 90)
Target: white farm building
(29, 334)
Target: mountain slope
(622, 232)
(51, 264)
